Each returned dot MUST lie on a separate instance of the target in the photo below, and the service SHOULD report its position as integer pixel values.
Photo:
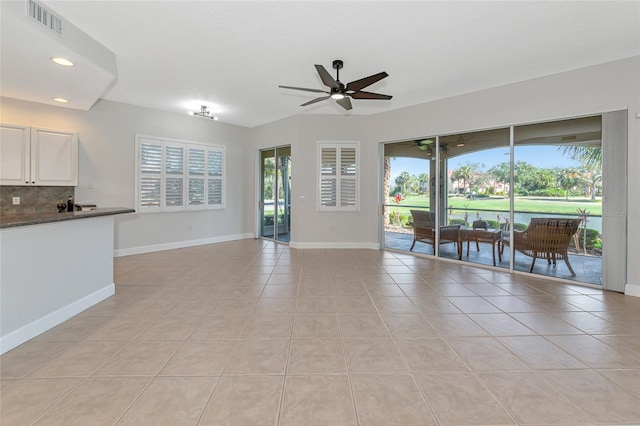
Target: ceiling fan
(339, 91)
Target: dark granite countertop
(39, 218)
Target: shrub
(594, 239)
(457, 222)
(492, 224)
(403, 220)
(520, 226)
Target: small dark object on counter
(62, 207)
(70, 204)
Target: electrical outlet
(16, 201)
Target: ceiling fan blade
(313, 101)
(344, 103)
(326, 77)
(303, 88)
(367, 81)
(369, 95)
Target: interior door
(275, 201)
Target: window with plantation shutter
(149, 175)
(177, 176)
(339, 176)
(174, 176)
(196, 160)
(215, 170)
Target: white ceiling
(232, 55)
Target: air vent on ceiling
(45, 17)
(569, 138)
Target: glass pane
(475, 202)
(283, 202)
(408, 167)
(215, 163)
(328, 192)
(174, 160)
(174, 191)
(196, 192)
(329, 161)
(150, 191)
(214, 193)
(150, 158)
(558, 199)
(196, 161)
(268, 190)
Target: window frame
(164, 143)
(340, 177)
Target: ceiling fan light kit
(338, 91)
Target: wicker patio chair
(477, 224)
(546, 238)
(423, 223)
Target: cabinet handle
(27, 182)
(33, 181)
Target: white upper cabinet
(37, 156)
(15, 155)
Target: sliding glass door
(275, 192)
(526, 198)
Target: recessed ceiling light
(460, 144)
(61, 100)
(62, 61)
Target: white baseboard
(632, 290)
(39, 326)
(180, 244)
(334, 245)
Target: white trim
(39, 326)
(632, 290)
(181, 244)
(334, 245)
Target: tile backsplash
(33, 199)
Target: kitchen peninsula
(53, 266)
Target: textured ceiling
(232, 55)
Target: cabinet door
(54, 157)
(14, 155)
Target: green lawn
(522, 204)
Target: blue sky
(539, 156)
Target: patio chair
(478, 224)
(423, 223)
(546, 238)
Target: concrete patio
(588, 269)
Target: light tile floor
(253, 333)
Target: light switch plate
(16, 201)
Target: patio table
(491, 236)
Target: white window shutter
(328, 176)
(215, 178)
(176, 176)
(339, 169)
(149, 191)
(196, 168)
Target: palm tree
(386, 186)
(589, 156)
(402, 180)
(423, 180)
(568, 178)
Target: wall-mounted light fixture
(204, 112)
